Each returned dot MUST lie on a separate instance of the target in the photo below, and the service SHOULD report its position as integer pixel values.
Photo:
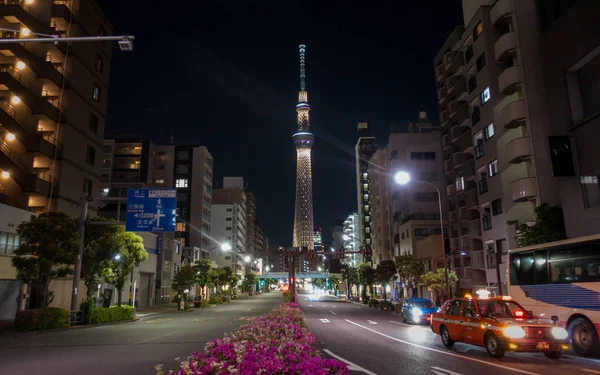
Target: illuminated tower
(303, 139)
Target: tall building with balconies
(380, 208)
(494, 132)
(52, 104)
(364, 150)
(229, 226)
(352, 239)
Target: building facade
(229, 226)
(351, 238)
(363, 151)
(52, 105)
(380, 209)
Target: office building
(380, 208)
(364, 150)
(52, 105)
(229, 226)
(337, 242)
(251, 230)
(496, 123)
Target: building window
(487, 219)
(229, 210)
(159, 181)
(472, 84)
(489, 131)
(96, 93)
(227, 228)
(9, 243)
(460, 183)
(483, 184)
(427, 176)
(475, 114)
(182, 168)
(421, 232)
(182, 196)
(426, 197)
(99, 63)
(87, 186)
(469, 53)
(497, 206)
(93, 123)
(591, 191)
(491, 254)
(493, 168)
(485, 96)
(583, 86)
(181, 183)
(422, 155)
(477, 31)
(90, 155)
(480, 63)
(183, 155)
(227, 219)
(180, 227)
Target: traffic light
(262, 283)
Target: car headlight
(514, 332)
(417, 311)
(559, 333)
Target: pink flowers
(275, 343)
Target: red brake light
(519, 314)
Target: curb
(19, 334)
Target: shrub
(40, 319)
(215, 300)
(373, 302)
(86, 307)
(274, 343)
(111, 314)
(204, 304)
(288, 296)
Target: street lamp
(403, 178)
(247, 258)
(118, 257)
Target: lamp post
(403, 178)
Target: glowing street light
(319, 269)
(5, 175)
(25, 31)
(346, 237)
(225, 247)
(10, 137)
(21, 65)
(15, 100)
(402, 178)
(118, 257)
(247, 258)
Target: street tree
(386, 270)
(350, 274)
(409, 272)
(333, 281)
(225, 275)
(184, 280)
(249, 282)
(203, 268)
(213, 276)
(119, 268)
(101, 243)
(232, 283)
(49, 247)
(549, 226)
(319, 283)
(437, 281)
(367, 276)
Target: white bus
(561, 279)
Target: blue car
(417, 310)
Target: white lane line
(310, 305)
(156, 337)
(443, 352)
(351, 366)
(371, 322)
(443, 371)
(324, 320)
(592, 371)
(332, 312)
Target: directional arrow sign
(371, 322)
(151, 210)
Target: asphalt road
(377, 343)
(129, 348)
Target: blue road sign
(151, 210)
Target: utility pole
(83, 207)
(498, 263)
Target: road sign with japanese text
(151, 210)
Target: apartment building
(364, 149)
(352, 239)
(337, 242)
(380, 209)
(495, 129)
(251, 229)
(229, 226)
(52, 105)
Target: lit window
(489, 131)
(159, 181)
(477, 31)
(99, 63)
(180, 227)
(591, 191)
(493, 168)
(96, 93)
(485, 95)
(181, 183)
(460, 183)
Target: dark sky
(224, 74)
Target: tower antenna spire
(302, 49)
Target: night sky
(225, 74)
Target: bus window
(541, 267)
(522, 269)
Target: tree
(333, 282)
(549, 226)
(409, 271)
(232, 282)
(101, 242)
(49, 247)
(350, 274)
(319, 283)
(367, 276)
(131, 254)
(203, 279)
(385, 270)
(437, 281)
(249, 282)
(184, 279)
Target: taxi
(498, 324)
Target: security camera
(126, 45)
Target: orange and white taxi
(498, 324)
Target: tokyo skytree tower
(303, 139)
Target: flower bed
(275, 343)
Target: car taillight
(519, 314)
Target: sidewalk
(155, 310)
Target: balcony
(510, 80)
(518, 150)
(500, 11)
(463, 115)
(448, 165)
(62, 9)
(475, 228)
(454, 244)
(456, 131)
(17, 167)
(44, 144)
(439, 71)
(43, 69)
(453, 60)
(441, 92)
(444, 115)
(453, 217)
(467, 186)
(470, 195)
(458, 87)
(39, 183)
(450, 190)
(467, 169)
(453, 106)
(513, 114)
(446, 140)
(524, 189)
(505, 46)
(442, 101)
(17, 11)
(461, 157)
(464, 213)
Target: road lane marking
(332, 312)
(371, 322)
(592, 371)
(400, 324)
(324, 320)
(156, 337)
(443, 371)
(310, 305)
(351, 366)
(443, 352)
